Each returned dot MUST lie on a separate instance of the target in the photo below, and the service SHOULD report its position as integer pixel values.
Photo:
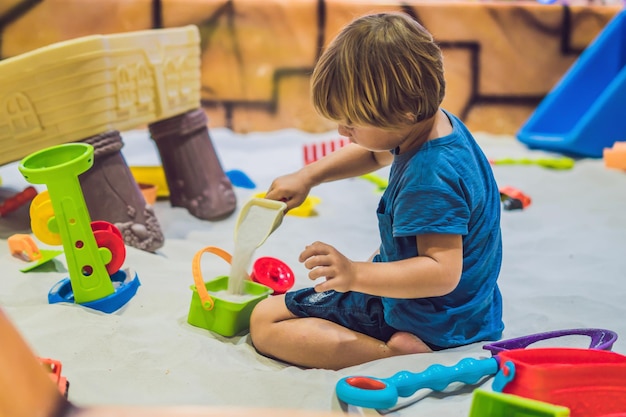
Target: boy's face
(375, 138)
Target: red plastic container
(590, 382)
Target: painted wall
(501, 58)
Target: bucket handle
(206, 300)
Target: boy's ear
(412, 117)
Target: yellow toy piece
(152, 175)
(306, 209)
(42, 220)
(79, 88)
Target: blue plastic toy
(584, 112)
(384, 393)
(239, 179)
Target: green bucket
(214, 313)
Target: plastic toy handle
(505, 375)
(438, 377)
(205, 298)
(383, 393)
(601, 339)
(18, 200)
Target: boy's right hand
(291, 189)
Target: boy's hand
(325, 261)
(291, 189)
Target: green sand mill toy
(94, 251)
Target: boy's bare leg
(25, 388)
(319, 343)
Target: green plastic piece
(379, 182)
(227, 317)
(551, 163)
(58, 167)
(46, 256)
(497, 404)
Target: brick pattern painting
(501, 58)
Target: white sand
(564, 267)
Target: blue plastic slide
(586, 111)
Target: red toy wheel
(273, 273)
(108, 236)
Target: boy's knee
(260, 320)
(259, 313)
(264, 318)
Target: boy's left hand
(325, 261)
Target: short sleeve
(430, 209)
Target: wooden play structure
(92, 88)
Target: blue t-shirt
(446, 186)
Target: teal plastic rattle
(382, 393)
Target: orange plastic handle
(205, 298)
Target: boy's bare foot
(404, 343)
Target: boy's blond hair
(382, 70)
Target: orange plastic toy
(54, 367)
(513, 199)
(615, 157)
(24, 247)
